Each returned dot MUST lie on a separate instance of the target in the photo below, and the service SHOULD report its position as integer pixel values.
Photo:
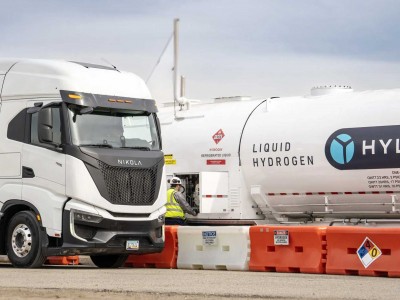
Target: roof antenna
(159, 59)
(107, 62)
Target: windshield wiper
(96, 145)
(137, 148)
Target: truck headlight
(86, 217)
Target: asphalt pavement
(85, 280)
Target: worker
(176, 204)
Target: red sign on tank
(218, 136)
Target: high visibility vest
(174, 210)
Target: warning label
(216, 161)
(169, 159)
(218, 136)
(368, 252)
(281, 237)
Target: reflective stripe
(174, 210)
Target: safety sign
(218, 136)
(169, 159)
(281, 237)
(209, 238)
(368, 252)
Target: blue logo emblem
(342, 149)
(364, 148)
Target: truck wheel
(24, 246)
(109, 261)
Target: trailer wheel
(24, 248)
(109, 261)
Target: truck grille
(130, 186)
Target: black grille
(130, 186)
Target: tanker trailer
(332, 155)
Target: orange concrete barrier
(163, 260)
(62, 260)
(298, 249)
(363, 251)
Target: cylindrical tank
(337, 154)
(333, 155)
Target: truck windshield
(114, 129)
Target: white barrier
(213, 247)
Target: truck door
(214, 192)
(12, 126)
(43, 165)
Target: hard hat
(175, 180)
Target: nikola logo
(129, 162)
(342, 149)
(364, 148)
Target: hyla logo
(218, 136)
(364, 148)
(342, 149)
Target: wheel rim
(21, 240)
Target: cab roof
(45, 78)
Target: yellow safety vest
(174, 210)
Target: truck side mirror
(45, 126)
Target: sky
(256, 48)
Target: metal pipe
(183, 86)
(176, 61)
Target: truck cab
(82, 163)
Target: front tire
(109, 261)
(24, 245)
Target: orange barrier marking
(62, 260)
(306, 252)
(163, 260)
(344, 244)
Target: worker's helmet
(175, 180)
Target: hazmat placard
(368, 252)
(281, 237)
(218, 136)
(209, 237)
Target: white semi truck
(81, 164)
(334, 154)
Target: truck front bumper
(109, 236)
